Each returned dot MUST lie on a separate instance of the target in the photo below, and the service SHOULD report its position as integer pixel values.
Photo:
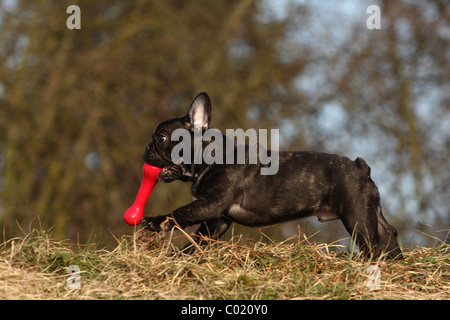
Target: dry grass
(34, 267)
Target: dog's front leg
(193, 213)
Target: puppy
(306, 184)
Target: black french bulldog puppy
(307, 184)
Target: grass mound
(35, 267)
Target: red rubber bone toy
(135, 213)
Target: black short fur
(307, 184)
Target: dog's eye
(162, 138)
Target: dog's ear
(199, 113)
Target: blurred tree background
(77, 107)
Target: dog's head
(158, 152)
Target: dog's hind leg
(373, 235)
(362, 225)
(388, 237)
(364, 219)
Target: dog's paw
(149, 224)
(158, 224)
(170, 173)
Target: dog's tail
(360, 163)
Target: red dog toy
(135, 213)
